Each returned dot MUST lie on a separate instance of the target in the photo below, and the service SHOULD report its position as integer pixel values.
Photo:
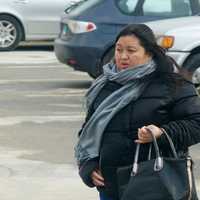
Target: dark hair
(165, 64)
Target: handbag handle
(170, 143)
(158, 165)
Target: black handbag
(162, 178)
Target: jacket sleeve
(184, 124)
(86, 169)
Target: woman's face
(130, 53)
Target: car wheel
(10, 33)
(192, 66)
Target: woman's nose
(124, 55)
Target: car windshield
(76, 3)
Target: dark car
(89, 27)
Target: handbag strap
(158, 165)
(170, 143)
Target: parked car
(181, 38)
(29, 20)
(88, 29)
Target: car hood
(161, 27)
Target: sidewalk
(45, 189)
(22, 179)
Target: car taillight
(80, 26)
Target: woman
(139, 89)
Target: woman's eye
(119, 50)
(131, 50)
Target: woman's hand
(97, 178)
(144, 136)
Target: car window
(154, 6)
(127, 6)
(174, 8)
(160, 8)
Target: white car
(181, 37)
(24, 20)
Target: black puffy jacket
(178, 112)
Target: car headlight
(166, 41)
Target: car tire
(10, 33)
(192, 68)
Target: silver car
(24, 20)
(181, 38)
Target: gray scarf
(89, 142)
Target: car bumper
(179, 56)
(79, 57)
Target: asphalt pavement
(33, 100)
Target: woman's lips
(124, 65)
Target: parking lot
(41, 112)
